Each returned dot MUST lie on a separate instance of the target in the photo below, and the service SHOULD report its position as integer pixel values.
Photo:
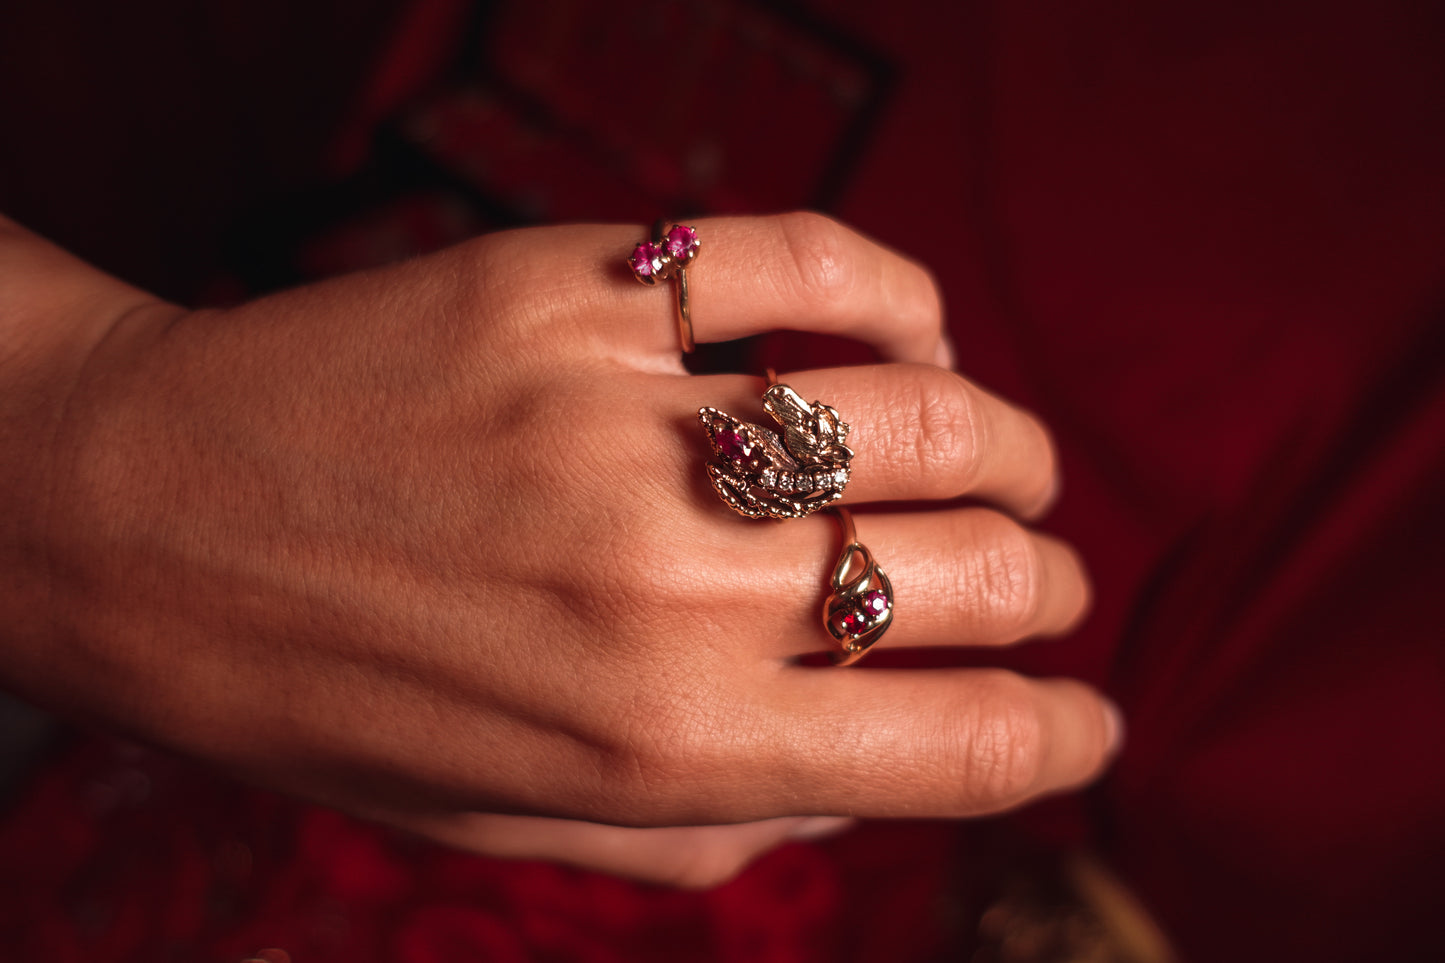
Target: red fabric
(1204, 241)
(118, 853)
(1215, 246)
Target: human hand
(433, 544)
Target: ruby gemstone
(732, 444)
(681, 242)
(646, 259)
(866, 613)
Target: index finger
(800, 271)
(807, 272)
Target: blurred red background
(1204, 241)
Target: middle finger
(922, 432)
(961, 576)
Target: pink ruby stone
(731, 444)
(681, 242)
(876, 602)
(646, 259)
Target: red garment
(1219, 249)
(1205, 243)
(118, 853)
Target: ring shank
(684, 308)
(684, 313)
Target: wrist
(55, 311)
(54, 308)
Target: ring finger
(801, 271)
(960, 576)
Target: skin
(433, 544)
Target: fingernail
(821, 827)
(1113, 727)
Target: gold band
(859, 609)
(684, 313)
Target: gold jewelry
(667, 255)
(860, 608)
(760, 475)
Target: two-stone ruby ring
(665, 257)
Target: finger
(936, 743)
(807, 272)
(919, 432)
(960, 577)
(692, 857)
(922, 432)
(802, 272)
(975, 577)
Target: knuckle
(638, 599)
(1005, 753)
(1005, 576)
(620, 556)
(634, 763)
(489, 273)
(948, 434)
(822, 272)
(498, 283)
(659, 749)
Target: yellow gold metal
(759, 474)
(684, 313)
(669, 267)
(860, 607)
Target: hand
(435, 541)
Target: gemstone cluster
(867, 610)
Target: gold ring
(860, 607)
(666, 256)
(759, 474)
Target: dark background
(1204, 241)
